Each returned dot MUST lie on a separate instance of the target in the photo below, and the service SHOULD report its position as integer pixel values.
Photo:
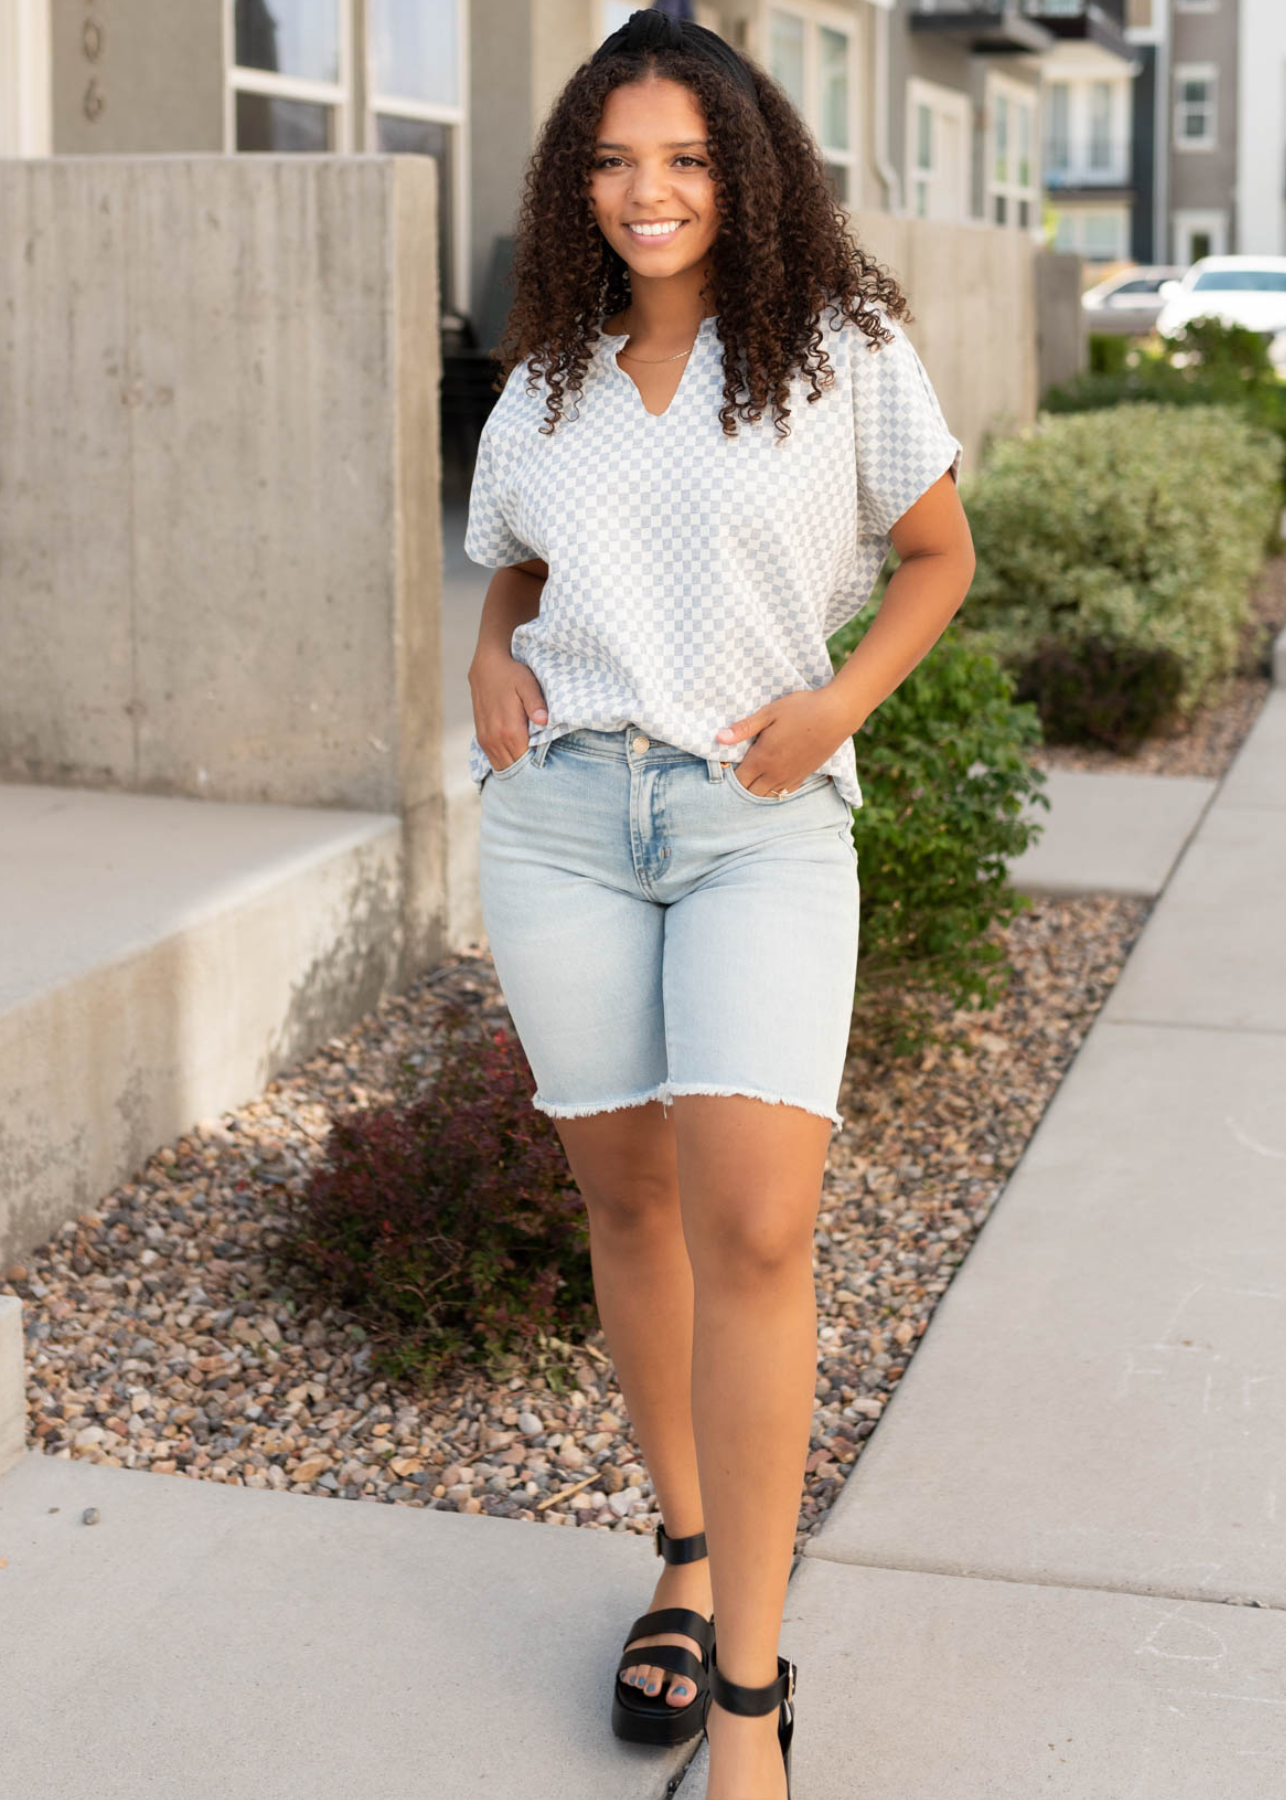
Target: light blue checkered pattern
(695, 577)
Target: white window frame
(355, 126)
(1018, 95)
(457, 291)
(338, 95)
(814, 18)
(1079, 170)
(26, 81)
(1202, 71)
(1186, 220)
(939, 100)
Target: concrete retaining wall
(219, 486)
(991, 312)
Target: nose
(648, 185)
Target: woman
(711, 430)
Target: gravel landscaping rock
(154, 1340)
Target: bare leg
(625, 1164)
(750, 1176)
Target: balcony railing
(1109, 12)
(1078, 166)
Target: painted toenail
(651, 1687)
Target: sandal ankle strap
(680, 1549)
(734, 1696)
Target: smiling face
(651, 190)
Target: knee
(633, 1204)
(746, 1243)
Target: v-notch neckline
(616, 338)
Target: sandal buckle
(790, 1691)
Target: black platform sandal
(751, 1701)
(634, 1716)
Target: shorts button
(639, 745)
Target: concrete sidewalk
(1060, 1566)
(1057, 1569)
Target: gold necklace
(653, 361)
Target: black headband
(651, 29)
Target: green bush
(1207, 363)
(449, 1224)
(1108, 351)
(1090, 691)
(1127, 537)
(946, 781)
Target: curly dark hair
(782, 253)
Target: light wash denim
(657, 929)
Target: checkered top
(695, 577)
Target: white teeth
(664, 230)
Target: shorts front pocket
(513, 767)
(809, 785)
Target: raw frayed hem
(558, 1109)
(710, 1087)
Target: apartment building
(928, 110)
(1214, 96)
(1259, 202)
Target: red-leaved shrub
(450, 1224)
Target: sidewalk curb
(1279, 658)
(13, 1386)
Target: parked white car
(1127, 303)
(1244, 290)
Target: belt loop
(715, 767)
(541, 752)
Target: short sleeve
(903, 442)
(489, 537)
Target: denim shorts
(658, 929)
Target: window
(937, 155)
(415, 52)
(1198, 232)
(415, 55)
(290, 76)
(1100, 124)
(1102, 236)
(1099, 235)
(1087, 132)
(1194, 106)
(923, 159)
(1243, 281)
(810, 52)
(293, 86)
(1011, 175)
(1058, 150)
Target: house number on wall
(91, 43)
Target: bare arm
(935, 567)
(505, 692)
